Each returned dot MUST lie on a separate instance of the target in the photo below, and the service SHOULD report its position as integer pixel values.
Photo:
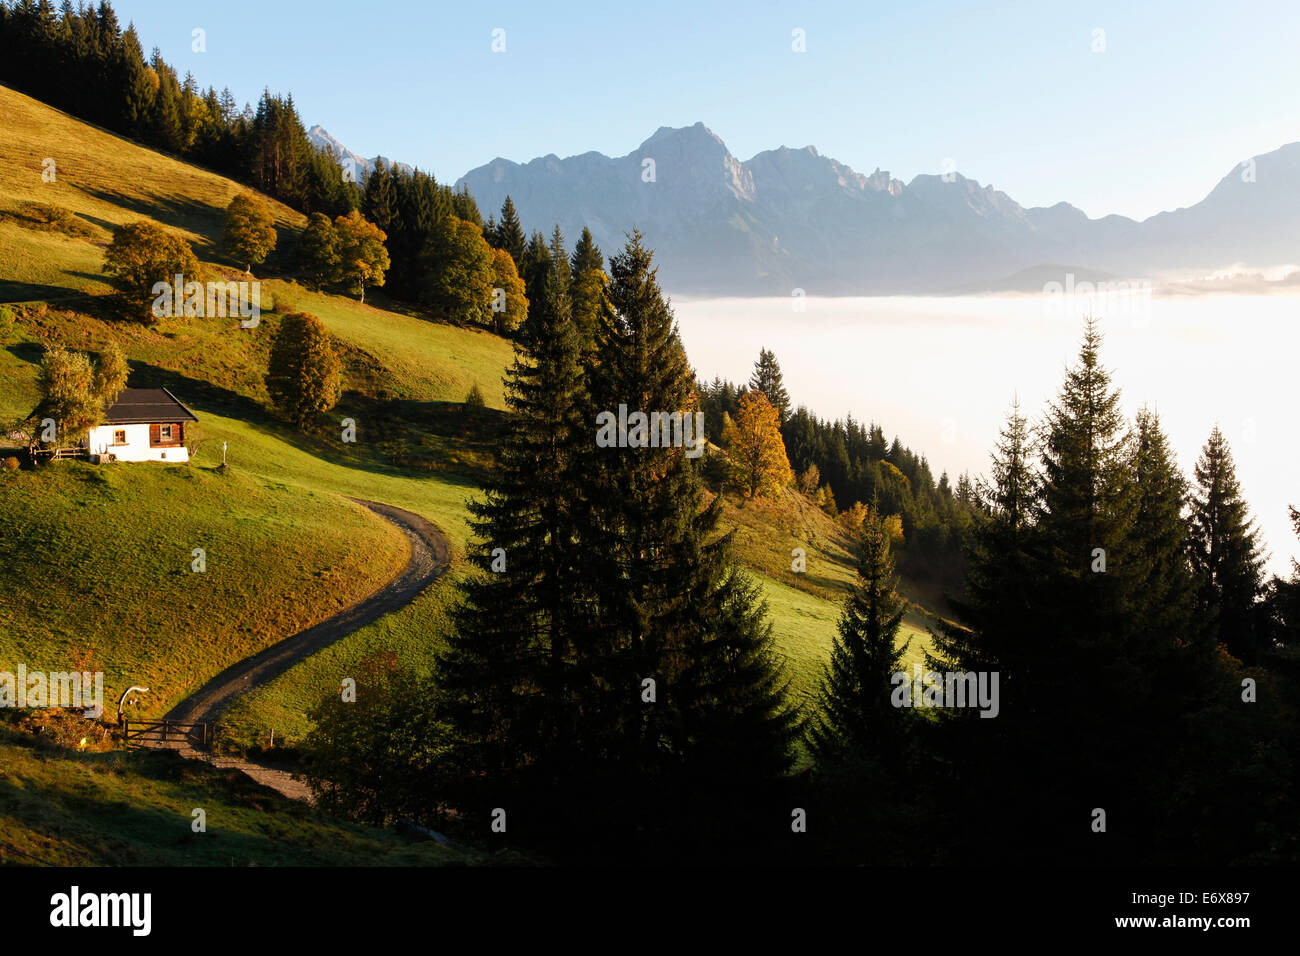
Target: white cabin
(144, 424)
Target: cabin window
(119, 436)
(165, 432)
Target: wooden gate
(145, 733)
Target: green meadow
(100, 555)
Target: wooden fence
(152, 732)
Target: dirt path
(429, 559)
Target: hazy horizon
(941, 372)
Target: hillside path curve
(430, 556)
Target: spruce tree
(560, 260)
(510, 234)
(586, 255)
(671, 606)
(858, 721)
(587, 270)
(536, 265)
(1226, 554)
(1158, 544)
(1085, 515)
(379, 198)
(996, 608)
(767, 379)
(509, 670)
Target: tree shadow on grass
(173, 211)
(15, 292)
(400, 438)
(113, 832)
(198, 393)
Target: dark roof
(139, 406)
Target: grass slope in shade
(95, 563)
(132, 808)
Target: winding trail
(430, 556)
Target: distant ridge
(358, 165)
(793, 218)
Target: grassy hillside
(134, 808)
(105, 181)
(405, 378)
(98, 570)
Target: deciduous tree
(304, 374)
(142, 254)
(249, 231)
(363, 259)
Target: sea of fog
(941, 372)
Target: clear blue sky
(1011, 92)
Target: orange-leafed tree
(509, 303)
(759, 462)
(363, 258)
(250, 230)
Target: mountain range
(794, 219)
(358, 166)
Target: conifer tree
(587, 291)
(510, 234)
(858, 720)
(560, 259)
(670, 607)
(586, 255)
(1226, 554)
(767, 379)
(1085, 512)
(536, 265)
(379, 198)
(1158, 544)
(508, 673)
(997, 607)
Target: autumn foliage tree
(67, 383)
(459, 272)
(304, 374)
(141, 255)
(363, 258)
(75, 390)
(318, 250)
(250, 230)
(509, 304)
(757, 451)
(111, 374)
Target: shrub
(11, 463)
(285, 302)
